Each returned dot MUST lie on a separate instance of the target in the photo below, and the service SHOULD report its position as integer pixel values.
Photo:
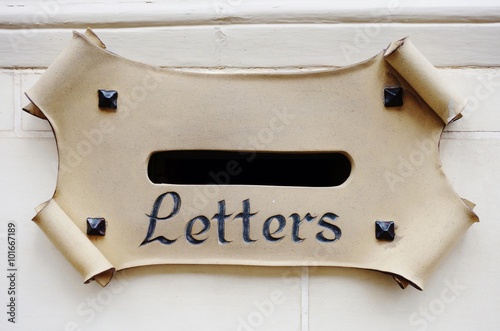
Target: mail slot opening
(201, 167)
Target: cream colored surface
(335, 110)
(51, 296)
(265, 45)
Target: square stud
(393, 96)
(384, 230)
(108, 99)
(96, 226)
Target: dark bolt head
(384, 230)
(393, 96)
(108, 99)
(96, 226)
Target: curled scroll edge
(425, 79)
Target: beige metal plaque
(394, 212)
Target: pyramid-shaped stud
(108, 99)
(385, 230)
(393, 96)
(96, 226)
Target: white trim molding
(115, 13)
(258, 33)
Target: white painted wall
(460, 36)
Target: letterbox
(335, 167)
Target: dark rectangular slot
(201, 167)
